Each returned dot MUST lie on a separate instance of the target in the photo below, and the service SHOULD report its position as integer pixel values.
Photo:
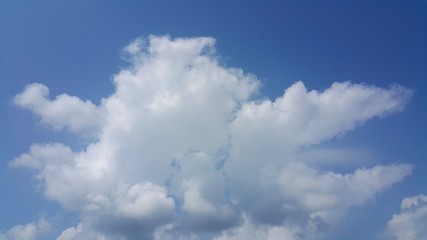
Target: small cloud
(64, 112)
(410, 223)
(29, 231)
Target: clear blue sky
(75, 47)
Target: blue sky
(83, 49)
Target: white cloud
(301, 117)
(181, 147)
(326, 194)
(195, 204)
(65, 111)
(29, 231)
(250, 231)
(410, 223)
(60, 170)
(41, 155)
(80, 232)
(70, 233)
(145, 200)
(413, 201)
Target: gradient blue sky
(75, 47)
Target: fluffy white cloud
(80, 232)
(410, 223)
(302, 117)
(65, 178)
(64, 112)
(182, 148)
(145, 200)
(29, 231)
(324, 195)
(70, 233)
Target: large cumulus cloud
(183, 148)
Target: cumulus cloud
(65, 112)
(326, 195)
(183, 148)
(410, 223)
(145, 200)
(80, 232)
(29, 231)
(301, 117)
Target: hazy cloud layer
(183, 149)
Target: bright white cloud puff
(64, 112)
(183, 149)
